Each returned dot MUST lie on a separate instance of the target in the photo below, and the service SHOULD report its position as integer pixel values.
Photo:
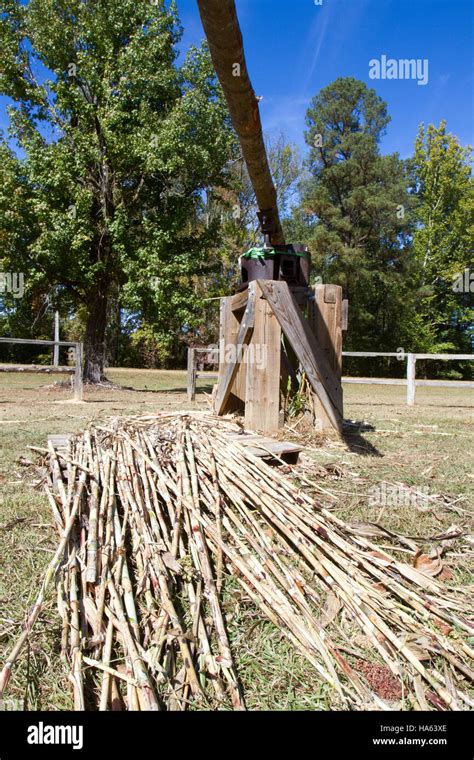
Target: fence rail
(411, 382)
(76, 370)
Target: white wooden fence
(411, 382)
(75, 370)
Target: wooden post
(262, 396)
(326, 319)
(345, 315)
(191, 383)
(56, 339)
(78, 387)
(411, 377)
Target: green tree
(119, 144)
(444, 239)
(356, 213)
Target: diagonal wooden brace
(243, 337)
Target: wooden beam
(400, 355)
(231, 368)
(446, 357)
(325, 319)
(411, 374)
(262, 393)
(239, 300)
(46, 369)
(328, 323)
(345, 315)
(398, 381)
(31, 342)
(191, 376)
(56, 338)
(78, 386)
(305, 344)
(228, 329)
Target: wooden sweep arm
(221, 26)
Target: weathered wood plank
(445, 357)
(191, 375)
(269, 443)
(229, 327)
(78, 386)
(437, 357)
(239, 300)
(345, 315)
(260, 446)
(31, 342)
(262, 393)
(328, 323)
(399, 381)
(310, 355)
(45, 369)
(230, 371)
(60, 441)
(374, 381)
(325, 318)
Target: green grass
(429, 445)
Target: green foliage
(357, 213)
(443, 241)
(120, 144)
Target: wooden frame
(193, 374)
(254, 321)
(76, 370)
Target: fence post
(56, 339)
(78, 387)
(191, 375)
(411, 376)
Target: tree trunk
(94, 344)
(112, 331)
(221, 26)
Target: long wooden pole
(56, 339)
(221, 26)
(78, 385)
(191, 379)
(411, 375)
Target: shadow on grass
(355, 441)
(200, 390)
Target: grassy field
(425, 452)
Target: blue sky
(295, 47)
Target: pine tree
(357, 212)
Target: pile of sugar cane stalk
(157, 514)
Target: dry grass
(428, 446)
